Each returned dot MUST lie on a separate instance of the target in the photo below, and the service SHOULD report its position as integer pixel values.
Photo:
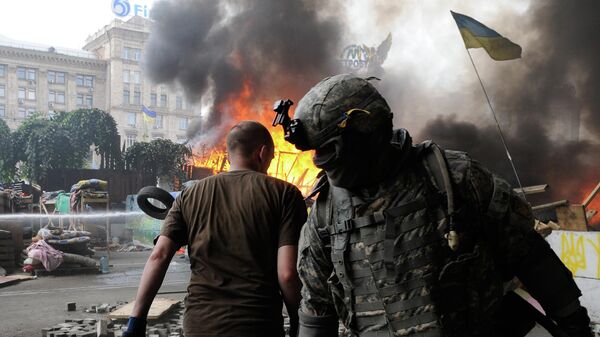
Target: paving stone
(71, 306)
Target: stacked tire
(7, 251)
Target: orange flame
(289, 164)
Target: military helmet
(335, 103)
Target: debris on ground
(169, 325)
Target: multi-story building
(106, 74)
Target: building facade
(107, 74)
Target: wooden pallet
(159, 307)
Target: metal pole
(512, 164)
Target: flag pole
(512, 164)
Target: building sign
(125, 8)
(359, 58)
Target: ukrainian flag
(477, 35)
(149, 115)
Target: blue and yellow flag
(477, 35)
(149, 115)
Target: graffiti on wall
(579, 251)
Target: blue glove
(136, 327)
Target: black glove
(136, 327)
(293, 326)
(576, 324)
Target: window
(89, 100)
(56, 77)
(137, 98)
(136, 77)
(84, 80)
(2, 70)
(125, 96)
(22, 112)
(158, 122)
(2, 91)
(125, 76)
(183, 123)
(2, 110)
(60, 77)
(163, 100)
(31, 74)
(56, 97)
(179, 102)
(21, 94)
(131, 53)
(131, 118)
(79, 100)
(152, 99)
(21, 73)
(31, 94)
(129, 140)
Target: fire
(289, 164)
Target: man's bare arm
(289, 282)
(153, 275)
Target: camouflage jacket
(495, 228)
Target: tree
(7, 168)
(159, 157)
(94, 127)
(40, 144)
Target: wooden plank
(551, 205)
(572, 218)
(532, 189)
(159, 307)
(7, 280)
(591, 196)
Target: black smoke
(212, 48)
(541, 102)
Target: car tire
(151, 192)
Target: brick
(71, 306)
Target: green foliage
(159, 157)
(40, 144)
(7, 167)
(49, 147)
(94, 127)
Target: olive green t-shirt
(233, 224)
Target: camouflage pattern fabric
(458, 291)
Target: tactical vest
(395, 273)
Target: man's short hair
(248, 136)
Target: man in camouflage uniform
(409, 240)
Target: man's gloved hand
(576, 324)
(136, 327)
(293, 326)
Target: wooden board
(572, 218)
(6, 280)
(159, 307)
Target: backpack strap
(437, 167)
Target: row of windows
(153, 99)
(58, 77)
(2, 70)
(182, 122)
(22, 112)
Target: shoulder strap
(437, 167)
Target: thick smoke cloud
(213, 48)
(558, 83)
